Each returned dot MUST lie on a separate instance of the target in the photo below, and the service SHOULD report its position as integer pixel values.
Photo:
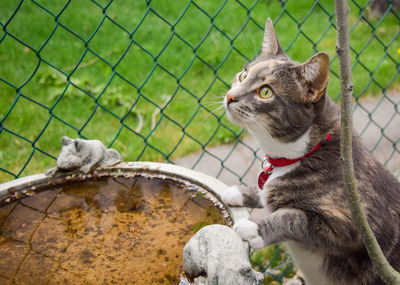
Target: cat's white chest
(277, 172)
(310, 262)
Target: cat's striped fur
(306, 203)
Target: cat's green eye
(264, 92)
(242, 76)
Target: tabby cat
(285, 106)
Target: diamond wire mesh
(146, 77)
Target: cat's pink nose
(229, 98)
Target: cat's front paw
(233, 197)
(248, 231)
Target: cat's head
(276, 96)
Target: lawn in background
(153, 76)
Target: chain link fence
(148, 78)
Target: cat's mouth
(228, 108)
(234, 112)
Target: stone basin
(125, 224)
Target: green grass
(131, 77)
(275, 262)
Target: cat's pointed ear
(270, 44)
(315, 73)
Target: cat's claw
(232, 196)
(248, 231)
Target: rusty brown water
(113, 231)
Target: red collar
(279, 162)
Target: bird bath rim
(28, 185)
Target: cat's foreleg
(295, 225)
(278, 226)
(242, 196)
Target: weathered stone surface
(84, 155)
(218, 252)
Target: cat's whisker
(221, 90)
(206, 104)
(211, 114)
(218, 94)
(211, 105)
(213, 100)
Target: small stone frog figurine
(78, 155)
